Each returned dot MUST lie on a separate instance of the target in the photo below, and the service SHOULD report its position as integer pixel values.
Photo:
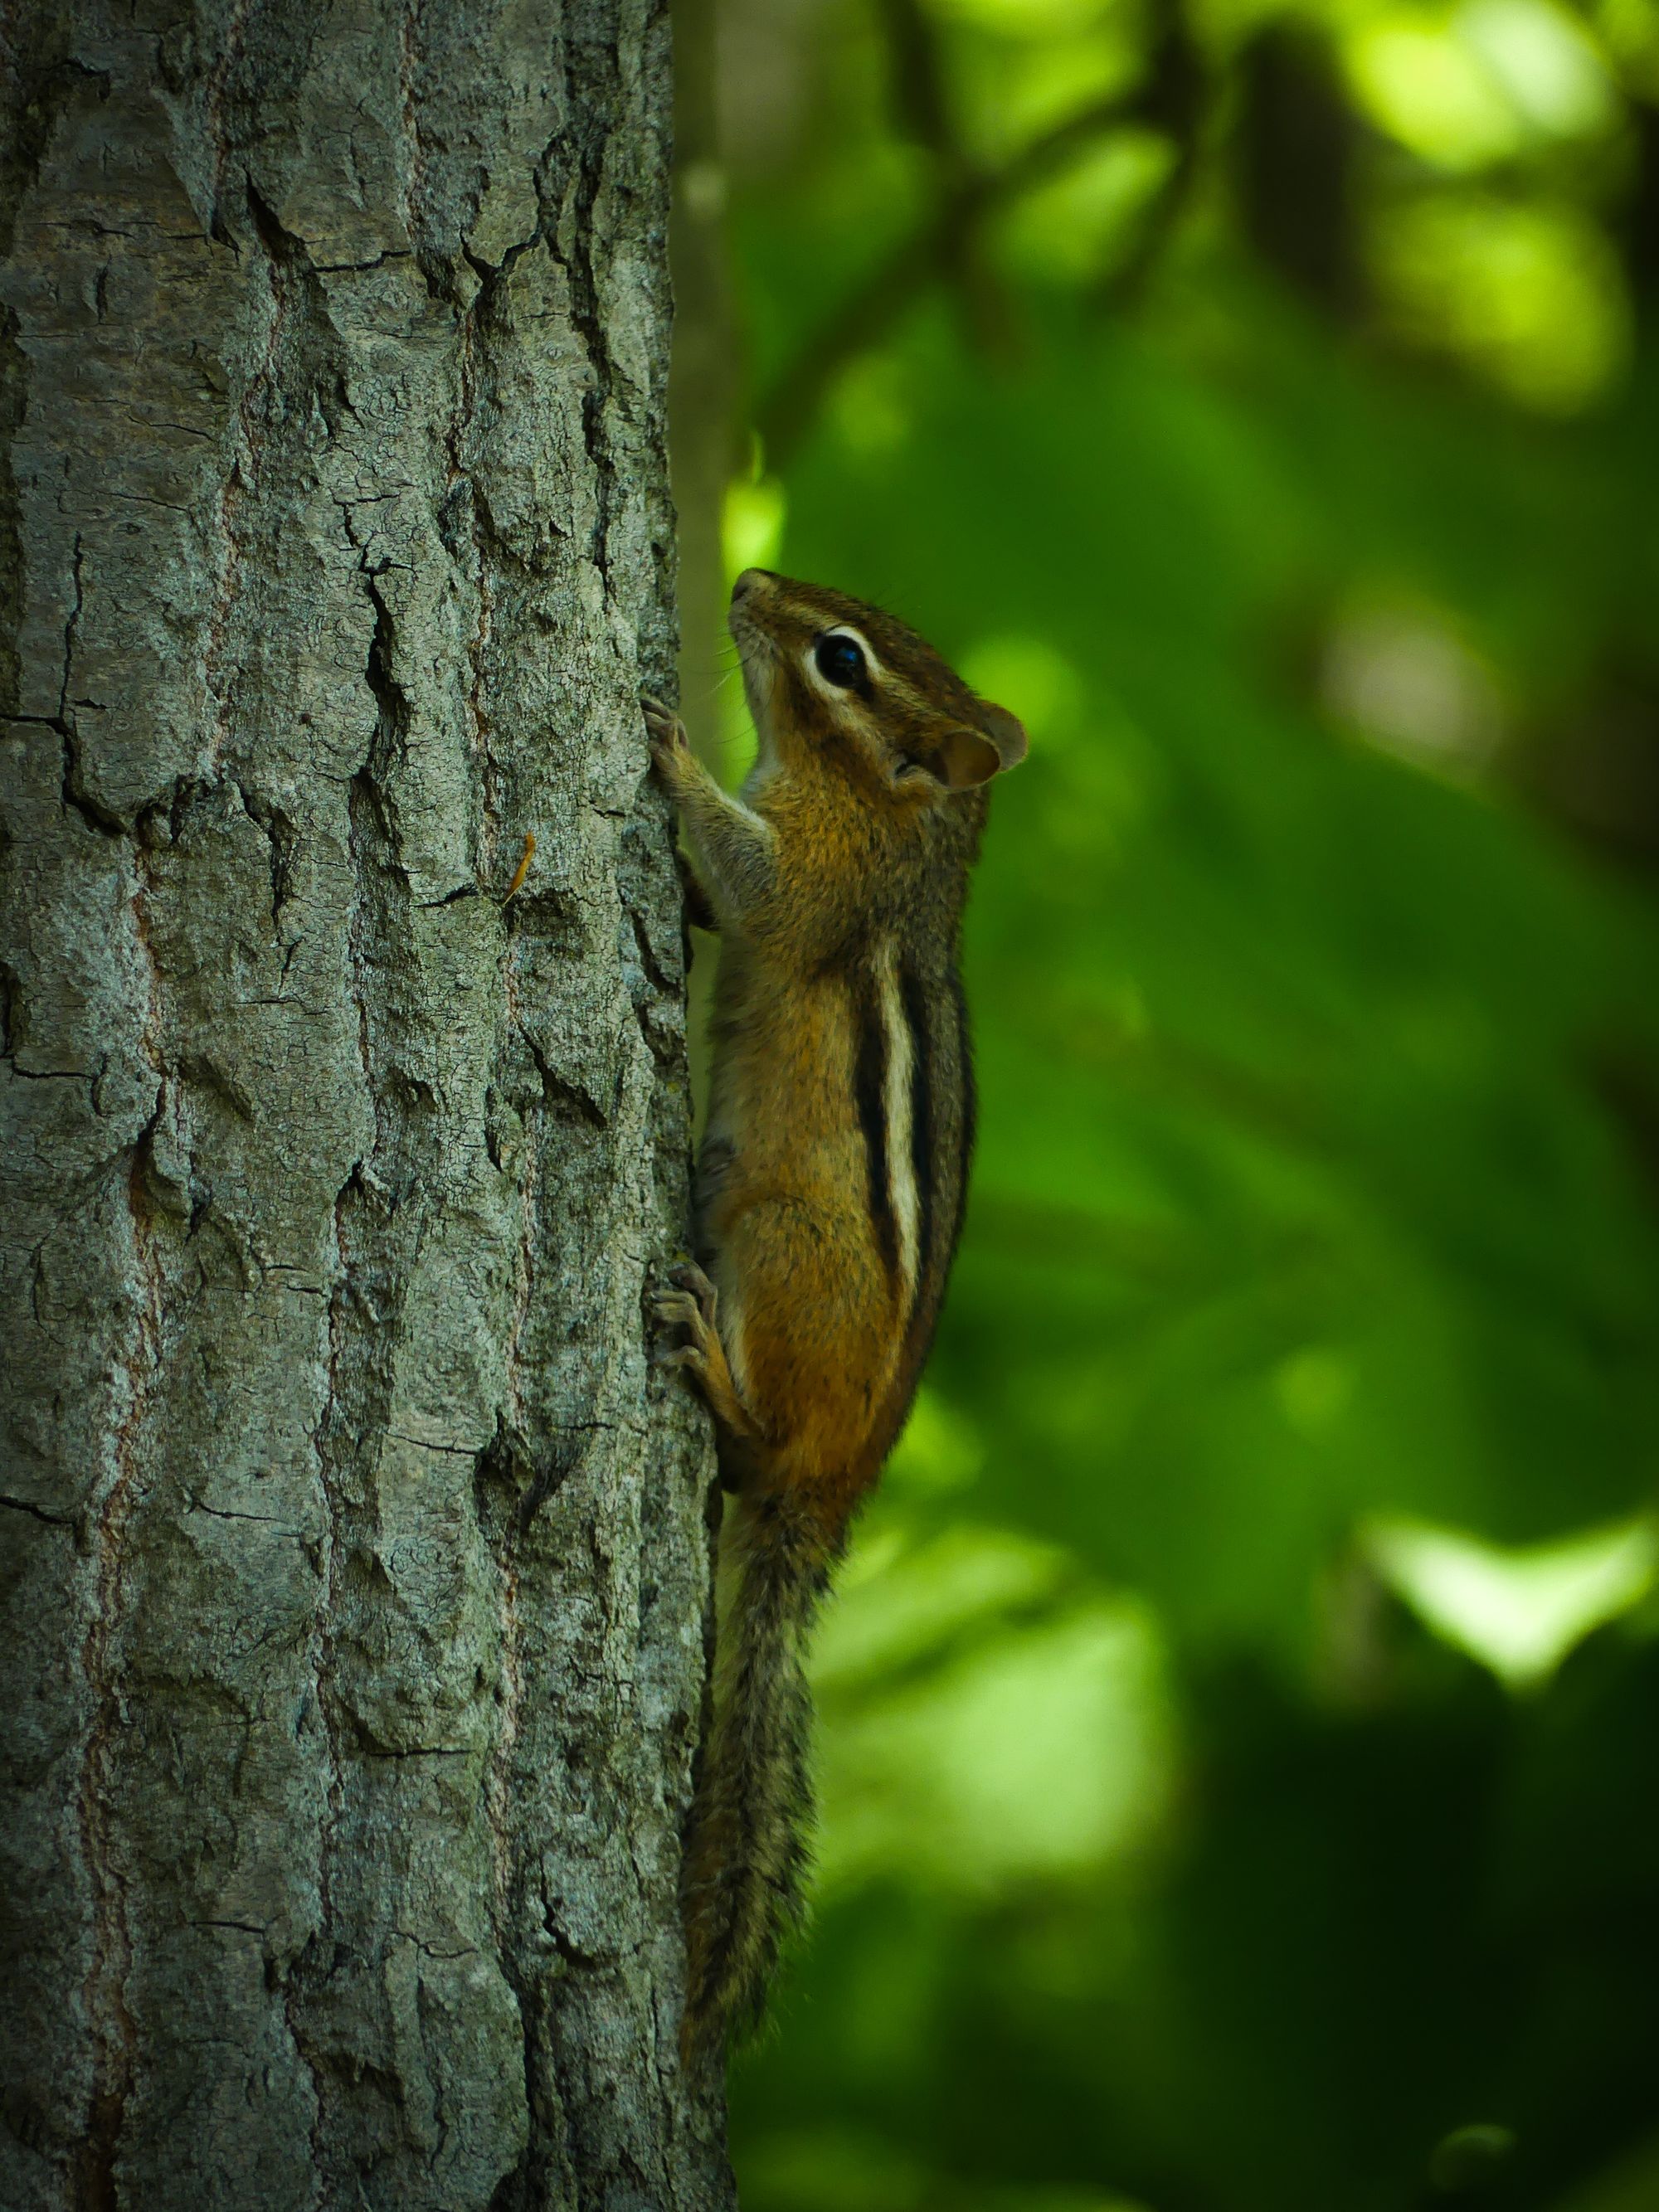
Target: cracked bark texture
(355, 1557)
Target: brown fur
(838, 880)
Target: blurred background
(1240, 1715)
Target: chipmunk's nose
(752, 584)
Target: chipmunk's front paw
(690, 1305)
(688, 1276)
(670, 749)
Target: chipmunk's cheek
(759, 681)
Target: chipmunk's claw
(690, 1277)
(665, 729)
(689, 1306)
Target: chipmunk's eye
(840, 660)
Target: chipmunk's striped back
(916, 1107)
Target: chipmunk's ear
(964, 758)
(971, 753)
(1007, 735)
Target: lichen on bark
(355, 1557)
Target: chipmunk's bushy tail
(749, 1848)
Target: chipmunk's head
(832, 680)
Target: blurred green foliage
(1239, 1746)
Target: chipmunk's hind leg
(691, 1305)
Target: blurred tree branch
(919, 94)
(1169, 98)
(1296, 143)
(1172, 100)
(1638, 234)
(923, 113)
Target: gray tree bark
(355, 1559)
(704, 389)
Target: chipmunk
(830, 1182)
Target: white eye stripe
(874, 668)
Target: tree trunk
(356, 1559)
(703, 391)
